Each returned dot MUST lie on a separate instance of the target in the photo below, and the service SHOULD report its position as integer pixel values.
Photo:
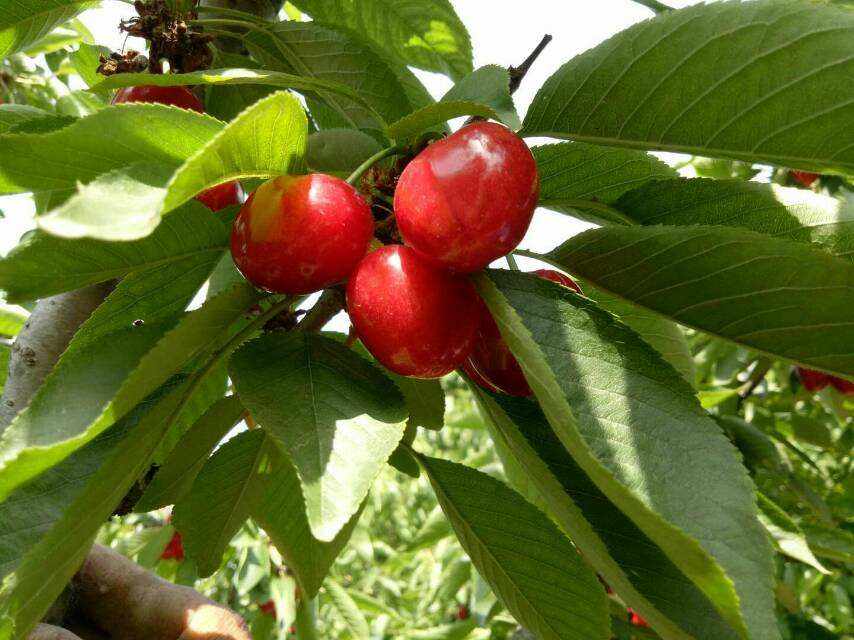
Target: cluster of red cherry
(461, 203)
(814, 381)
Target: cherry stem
(370, 162)
(511, 261)
(656, 6)
(331, 301)
(518, 73)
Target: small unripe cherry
(299, 234)
(176, 96)
(416, 320)
(221, 196)
(491, 364)
(812, 380)
(468, 199)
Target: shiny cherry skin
(812, 380)
(299, 234)
(491, 364)
(221, 196)
(468, 199)
(177, 96)
(416, 319)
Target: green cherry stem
(370, 162)
(511, 261)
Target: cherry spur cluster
(461, 203)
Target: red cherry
(221, 196)
(468, 199)
(463, 612)
(298, 234)
(636, 620)
(804, 177)
(845, 387)
(492, 361)
(813, 380)
(268, 608)
(177, 96)
(560, 278)
(415, 319)
(175, 549)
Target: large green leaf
(348, 611)
(584, 179)
(96, 384)
(312, 51)
(54, 163)
(777, 296)
(23, 23)
(217, 504)
(11, 319)
(632, 564)
(423, 33)
(232, 77)
(795, 214)
(68, 519)
(527, 561)
(427, 117)
(179, 471)
(488, 85)
(758, 81)
(635, 428)
(339, 151)
(337, 415)
(11, 115)
(44, 265)
(146, 191)
(277, 505)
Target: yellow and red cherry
(468, 199)
(491, 364)
(415, 319)
(299, 234)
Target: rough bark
(38, 346)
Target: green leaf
(312, 51)
(425, 400)
(79, 104)
(832, 543)
(543, 582)
(427, 117)
(629, 561)
(337, 415)
(426, 34)
(488, 85)
(348, 611)
(96, 384)
(181, 468)
(451, 631)
(232, 78)
(435, 527)
(755, 81)
(85, 61)
(146, 191)
(76, 507)
(217, 505)
(794, 214)
(756, 447)
(812, 431)
(636, 429)
(582, 180)
(12, 318)
(339, 151)
(54, 163)
(44, 265)
(23, 23)
(12, 115)
(277, 505)
(776, 296)
(662, 335)
(787, 534)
